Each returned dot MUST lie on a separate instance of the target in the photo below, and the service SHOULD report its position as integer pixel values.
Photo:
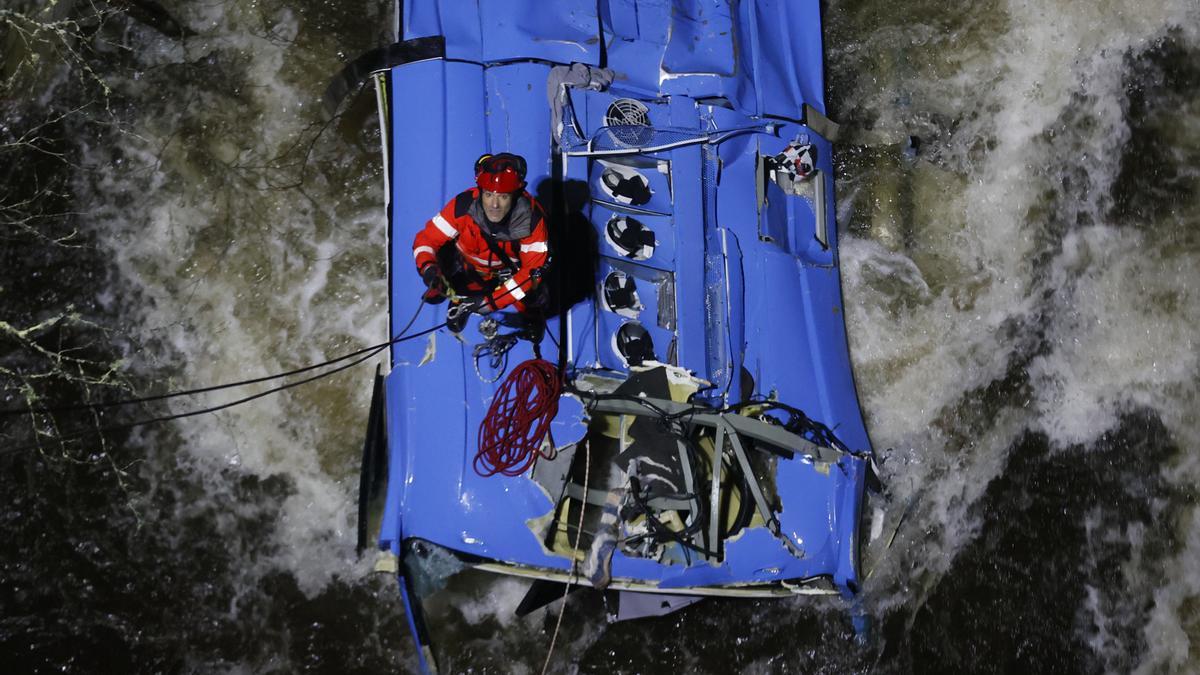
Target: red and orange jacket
(524, 242)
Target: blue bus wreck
(708, 440)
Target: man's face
(496, 205)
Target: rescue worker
(498, 232)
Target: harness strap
(496, 249)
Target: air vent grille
(626, 111)
(628, 122)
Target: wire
(591, 398)
(230, 404)
(364, 354)
(676, 424)
(798, 423)
(216, 387)
(587, 470)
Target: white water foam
(228, 273)
(1116, 304)
(240, 279)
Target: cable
(587, 470)
(676, 424)
(798, 423)
(369, 352)
(518, 421)
(201, 411)
(215, 387)
(590, 399)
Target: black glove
(436, 291)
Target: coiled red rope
(511, 434)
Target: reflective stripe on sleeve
(512, 287)
(539, 247)
(445, 226)
(423, 249)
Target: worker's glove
(436, 285)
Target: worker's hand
(436, 285)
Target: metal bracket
(691, 415)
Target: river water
(1022, 297)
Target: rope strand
(223, 406)
(518, 421)
(587, 470)
(216, 387)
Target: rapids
(1022, 299)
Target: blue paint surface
(756, 295)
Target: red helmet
(504, 172)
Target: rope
(372, 350)
(512, 432)
(587, 470)
(223, 406)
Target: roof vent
(627, 111)
(625, 185)
(628, 121)
(633, 343)
(630, 237)
(620, 294)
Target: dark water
(1023, 301)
